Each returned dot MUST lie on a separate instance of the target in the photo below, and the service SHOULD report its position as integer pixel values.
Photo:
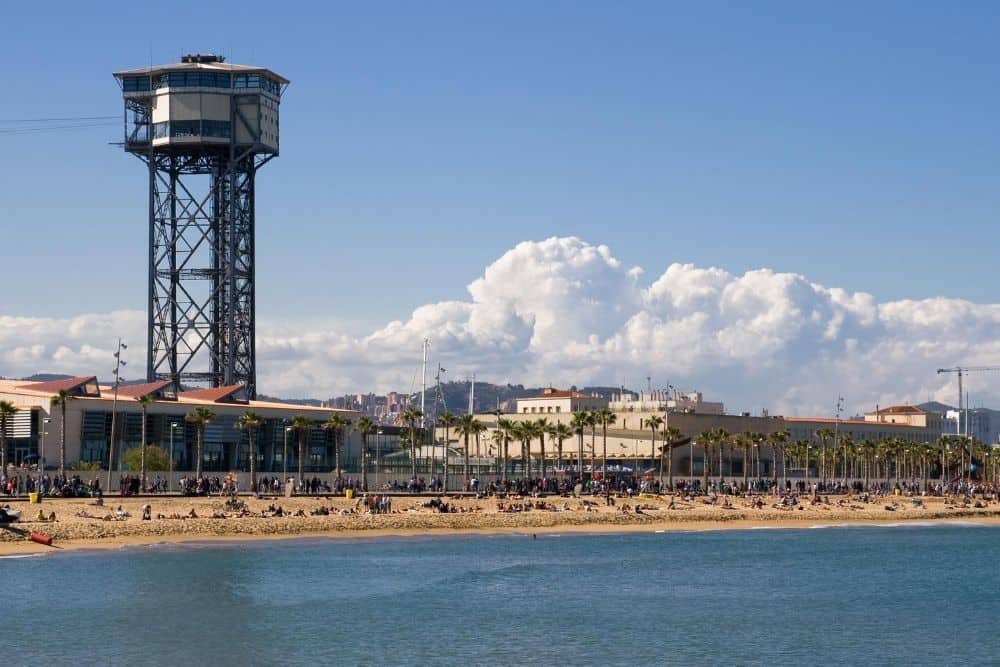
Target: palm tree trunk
(541, 440)
(142, 454)
(466, 462)
(197, 463)
(253, 463)
(444, 476)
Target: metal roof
(212, 67)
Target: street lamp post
(119, 362)
(691, 463)
(170, 479)
(378, 457)
(41, 452)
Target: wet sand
(410, 518)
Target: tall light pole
(119, 362)
(691, 463)
(170, 482)
(378, 456)
(836, 431)
(41, 450)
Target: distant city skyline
(773, 204)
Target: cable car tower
(203, 127)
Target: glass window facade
(193, 128)
(193, 79)
(133, 84)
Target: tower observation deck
(203, 127)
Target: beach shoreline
(475, 517)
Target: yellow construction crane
(960, 371)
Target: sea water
(843, 595)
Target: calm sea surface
(849, 596)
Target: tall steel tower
(203, 127)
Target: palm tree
(365, 427)
(722, 438)
(592, 423)
(846, 445)
(824, 435)
(706, 439)
(250, 421)
(302, 425)
(478, 429)
(579, 425)
(530, 430)
(518, 431)
(446, 420)
(144, 401)
(61, 399)
(559, 432)
(505, 427)
(670, 435)
(605, 418)
(653, 423)
(336, 425)
(541, 430)
(7, 411)
(410, 417)
(200, 417)
(466, 427)
(779, 439)
(745, 441)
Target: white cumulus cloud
(563, 311)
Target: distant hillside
(455, 396)
(314, 402)
(46, 377)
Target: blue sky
(854, 143)
(427, 145)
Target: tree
(7, 411)
(592, 423)
(410, 417)
(778, 441)
(465, 428)
(336, 425)
(823, 435)
(200, 417)
(744, 441)
(365, 427)
(478, 427)
(157, 458)
(579, 425)
(302, 425)
(605, 418)
(446, 420)
(559, 432)
(721, 439)
(144, 401)
(846, 445)
(706, 439)
(518, 431)
(61, 399)
(541, 430)
(505, 426)
(250, 421)
(670, 435)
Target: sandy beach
(81, 524)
